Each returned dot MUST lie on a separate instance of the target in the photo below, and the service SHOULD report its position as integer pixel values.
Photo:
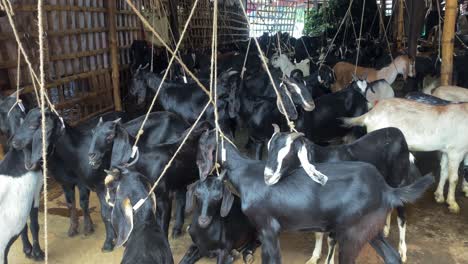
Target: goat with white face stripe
(386, 149)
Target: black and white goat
(218, 224)
(139, 229)
(12, 115)
(386, 149)
(19, 191)
(353, 204)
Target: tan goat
(426, 128)
(344, 72)
(451, 93)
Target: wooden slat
(78, 54)
(47, 8)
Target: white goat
(451, 93)
(282, 62)
(18, 189)
(344, 71)
(427, 128)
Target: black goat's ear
(122, 221)
(228, 200)
(287, 102)
(189, 197)
(122, 149)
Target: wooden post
(114, 54)
(400, 24)
(447, 42)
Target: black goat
(112, 137)
(259, 106)
(11, 116)
(68, 164)
(353, 204)
(218, 224)
(386, 149)
(323, 124)
(186, 100)
(426, 98)
(140, 229)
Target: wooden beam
(114, 54)
(447, 42)
(400, 24)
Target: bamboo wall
(78, 59)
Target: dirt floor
(434, 236)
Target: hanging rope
(336, 34)
(262, 57)
(18, 101)
(41, 35)
(141, 131)
(385, 33)
(158, 36)
(245, 60)
(360, 34)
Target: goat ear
(276, 128)
(189, 197)
(228, 200)
(122, 221)
(36, 146)
(100, 121)
(122, 149)
(309, 168)
(287, 102)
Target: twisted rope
(262, 57)
(360, 34)
(40, 24)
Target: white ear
(314, 174)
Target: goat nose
(15, 144)
(92, 155)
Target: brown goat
(344, 72)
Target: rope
(245, 60)
(156, 34)
(360, 34)
(262, 56)
(336, 34)
(385, 33)
(40, 24)
(168, 165)
(141, 131)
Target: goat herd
(327, 176)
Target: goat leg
(402, 227)
(317, 250)
(84, 204)
(224, 257)
(331, 249)
(191, 256)
(163, 210)
(69, 191)
(270, 244)
(37, 254)
(106, 216)
(248, 253)
(27, 247)
(180, 213)
(385, 250)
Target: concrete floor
(434, 236)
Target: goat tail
(354, 121)
(410, 193)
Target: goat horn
(13, 95)
(276, 128)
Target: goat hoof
(439, 198)
(27, 249)
(88, 230)
(73, 231)
(312, 260)
(386, 231)
(248, 258)
(176, 233)
(108, 247)
(37, 254)
(454, 208)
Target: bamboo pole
(447, 42)
(400, 24)
(114, 54)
